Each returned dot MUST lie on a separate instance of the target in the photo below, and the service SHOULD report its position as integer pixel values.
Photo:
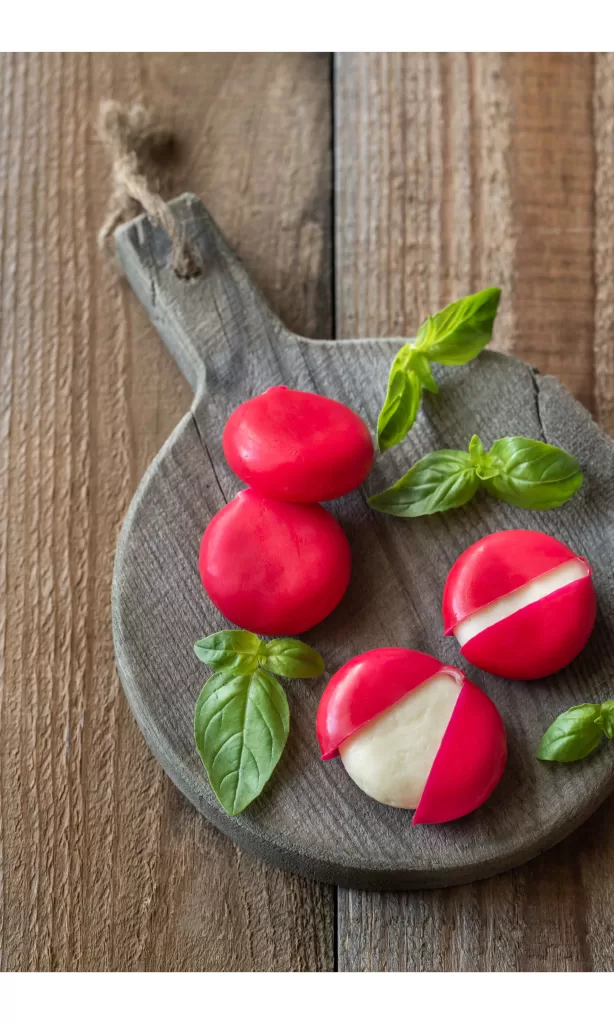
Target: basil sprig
(242, 719)
(452, 337)
(576, 733)
(517, 470)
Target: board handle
(208, 321)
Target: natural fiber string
(133, 138)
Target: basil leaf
(607, 718)
(460, 331)
(293, 659)
(241, 726)
(532, 474)
(573, 735)
(231, 650)
(421, 366)
(476, 450)
(485, 466)
(440, 481)
(400, 408)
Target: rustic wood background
(451, 172)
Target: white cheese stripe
(390, 757)
(564, 574)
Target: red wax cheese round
(413, 733)
(273, 567)
(297, 446)
(520, 603)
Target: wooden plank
(453, 172)
(104, 865)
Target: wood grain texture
(509, 159)
(311, 818)
(103, 864)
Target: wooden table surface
(361, 193)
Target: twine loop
(134, 140)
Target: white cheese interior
(566, 573)
(390, 757)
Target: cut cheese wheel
(543, 586)
(413, 733)
(520, 603)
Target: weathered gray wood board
(311, 818)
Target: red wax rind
(469, 763)
(540, 638)
(367, 685)
(473, 749)
(273, 567)
(297, 446)
(495, 566)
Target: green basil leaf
(485, 466)
(476, 450)
(293, 659)
(461, 330)
(573, 735)
(607, 718)
(400, 407)
(440, 481)
(241, 725)
(421, 366)
(425, 329)
(532, 474)
(231, 650)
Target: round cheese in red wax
(520, 603)
(297, 446)
(413, 733)
(273, 567)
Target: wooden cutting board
(311, 818)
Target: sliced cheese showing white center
(564, 574)
(390, 757)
